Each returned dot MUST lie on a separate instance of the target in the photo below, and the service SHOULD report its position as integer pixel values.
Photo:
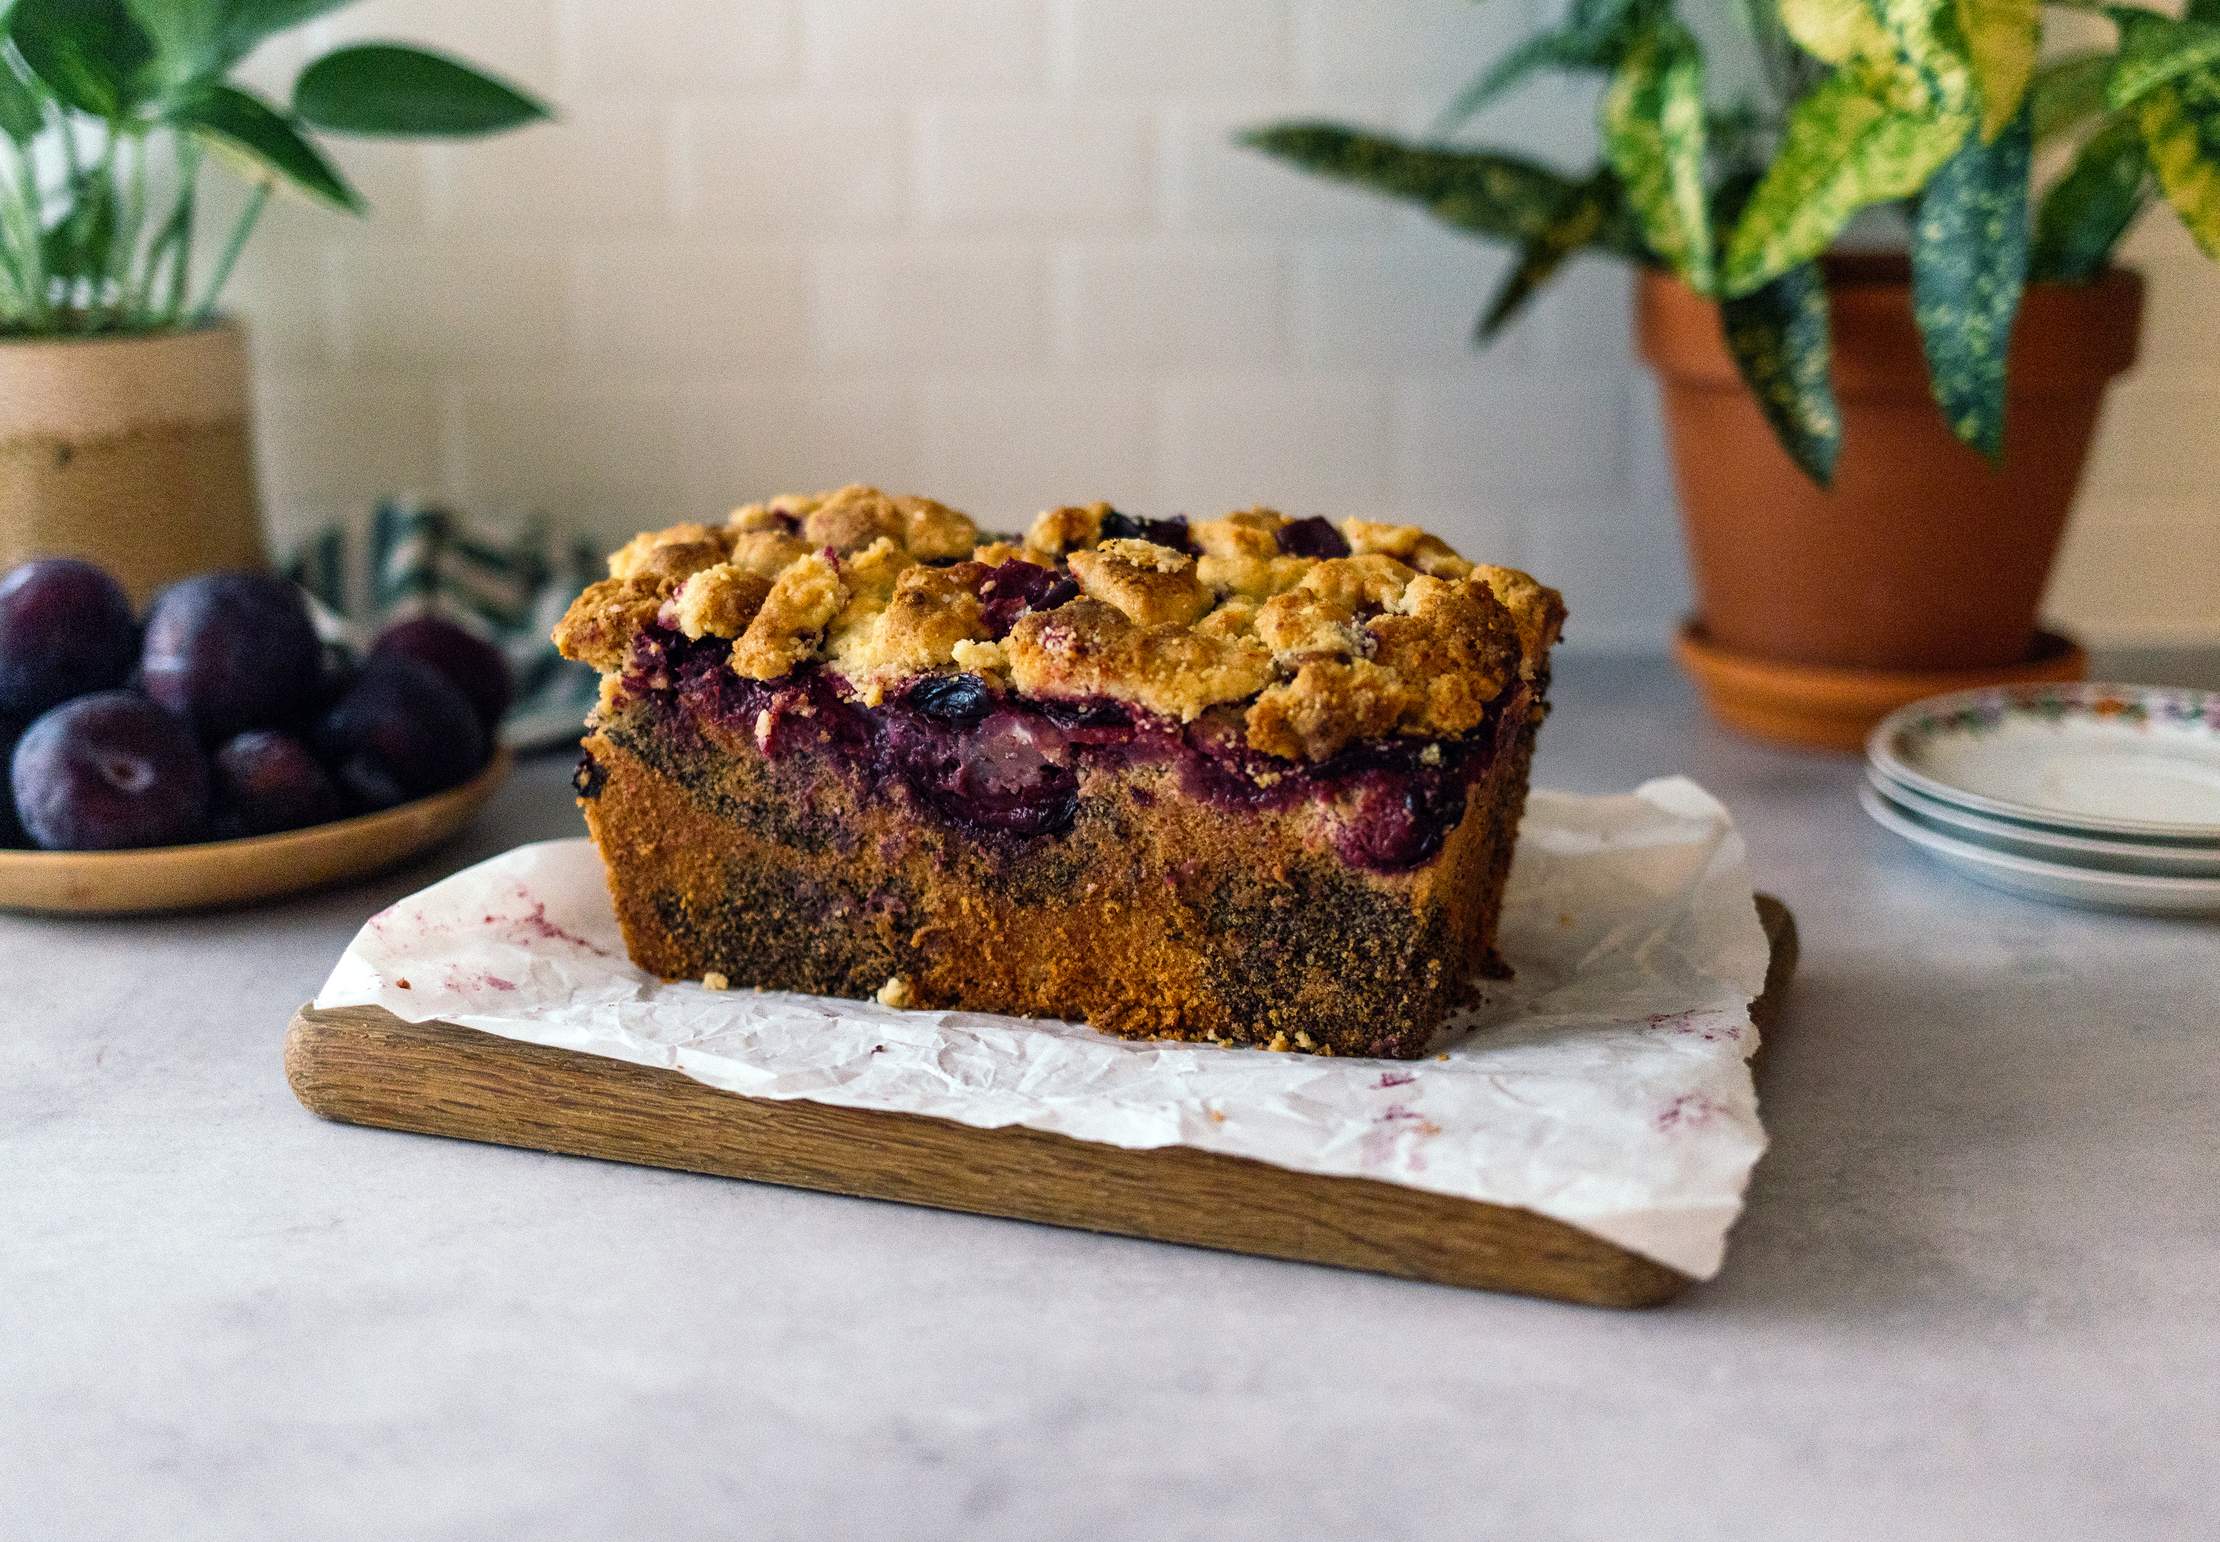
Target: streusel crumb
(1321, 636)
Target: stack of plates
(2099, 795)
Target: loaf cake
(1251, 780)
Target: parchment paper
(1607, 1085)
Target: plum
(11, 829)
(109, 771)
(231, 651)
(267, 781)
(65, 630)
(400, 732)
(336, 668)
(472, 665)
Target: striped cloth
(510, 584)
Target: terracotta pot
(132, 451)
(1922, 557)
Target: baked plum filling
(1312, 537)
(1012, 588)
(1170, 532)
(994, 765)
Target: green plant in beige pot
(1876, 451)
(123, 389)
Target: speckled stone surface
(1977, 1292)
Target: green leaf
(76, 245)
(2068, 91)
(1498, 196)
(2154, 51)
(197, 41)
(265, 146)
(2090, 207)
(387, 89)
(1594, 36)
(1591, 206)
(1935, 63)
(1653, 136)
(1782, 342)
(92, 54)
(2000, 39)
(2181, 130)
(22, 113)
(1969, 267)
(1546, 50)
(251, 22)
(1849, 143)
(1836, 31)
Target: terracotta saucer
(1825, 707)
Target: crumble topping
(1329, 634)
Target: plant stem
(123, 247)
(184, 219)
(239, 234)
(22, 225)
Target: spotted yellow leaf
(1653, 136)
(2181, 130)
(2000, 39)
(1836, 31)
(1858, 138)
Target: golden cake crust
(1402, 636)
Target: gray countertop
(1976, 1292)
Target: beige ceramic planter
(135, 452)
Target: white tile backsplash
(1049, 165)
(1005, 251)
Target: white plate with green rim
(2182, 859)
(2106, 761)
(2091, 888)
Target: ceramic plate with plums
(219, 750)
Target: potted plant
(123, 391)
(1876, 453)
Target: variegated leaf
(1849, 143)
(1493, 195)
(2154, 51)
(1931, 52)
(2000, 40)
(2181, 130)
(1782, 342)
(2088, 209)
(1654, 137)
(1592, 205)
(2069, 91)
(1836, 31)
(1969, 267)
(1594, 35)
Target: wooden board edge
(362, 1065)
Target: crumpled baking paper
(1606, 1085)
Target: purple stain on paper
(534, 923)
(1689, 1111)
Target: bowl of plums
(219, 749)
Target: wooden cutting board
(362, 1065)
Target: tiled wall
(1001, 251)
